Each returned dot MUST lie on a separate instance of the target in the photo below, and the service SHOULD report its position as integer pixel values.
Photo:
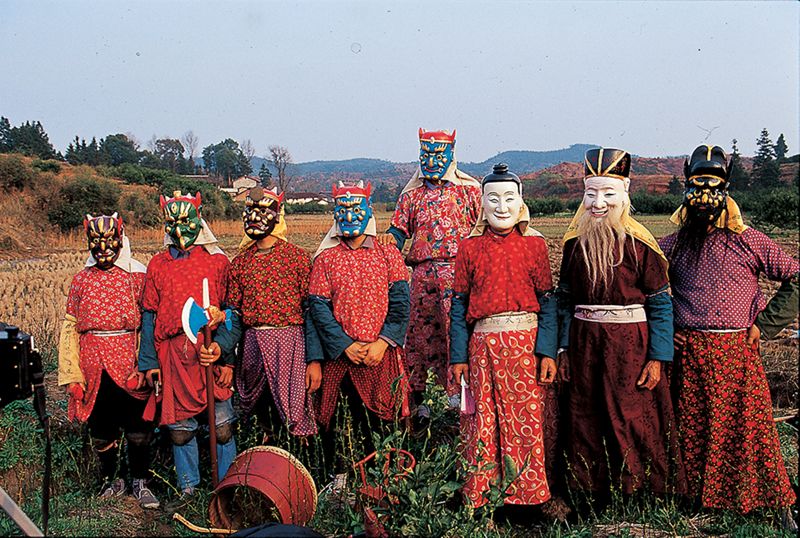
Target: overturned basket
(263, 484)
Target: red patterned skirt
(383, 388)
(428, 335)
(508, 417)
(731, 448)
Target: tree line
(224, 161)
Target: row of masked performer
(638, 370)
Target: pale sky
(342, 79)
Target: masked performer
(358, 303)
(173, 276)
(97, 356)
(730, 444)
(616, 316)
(436, 210)
(268, 285)
(503, 291)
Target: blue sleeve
(399, 237)
(313, 343)
(229, 338)
(459, 333)
(565, 311)
(332, 337)
(396, 322)
(148, 358)
(547, 335)
(658, 309)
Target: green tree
(265, 175)
(118, 149)
(766, 173)
(5, 135)
(226, 160)
(30, 139)
(170, 152)
(739, 178)
(675, 186)
(781, 148)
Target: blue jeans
(187, 458)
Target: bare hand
(459, 371)
(753, 334)
(651, 375)
(211, 354)
(139, 377)
(356, 352)
(375, 352)
(76, 390)
(224, 375)
(680, 339)
(386, 239)
(215, 317)
(547, 371)
(563, 367)
(313, 376)
(153, 376)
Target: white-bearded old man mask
(601, 228)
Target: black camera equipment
(21, 376)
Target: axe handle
(212, 419)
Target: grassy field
(33, 285)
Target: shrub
(141, 209)
(15, 174)
(776, 209)
(307, 208)
(216, 204)
(70, 204)
(47, 166)
(655, 204)
(544, 206)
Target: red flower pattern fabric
(437, 219)
(508, 417)
(427, 337)
(105, 301)
(269, 289)
(511, 270)
(731, 448)
(357, 283)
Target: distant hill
(318, 175)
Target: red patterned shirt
(502, 273)
(269, 288)
(170, 282)
(437, 219)
(357, 283)
(106, 300)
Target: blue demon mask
(436, 153)
(353, 208)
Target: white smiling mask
(502, 205)
(605, 195)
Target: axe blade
(193, 319)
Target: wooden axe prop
(195, 319)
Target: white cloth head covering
(124, 261)
(332, 238)
(523, 224)
(205, 237)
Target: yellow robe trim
(735, 222)
(280, 231)
(632, 228)
(69, 361)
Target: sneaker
(115, 488)
(186, 498)
(143, 494)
